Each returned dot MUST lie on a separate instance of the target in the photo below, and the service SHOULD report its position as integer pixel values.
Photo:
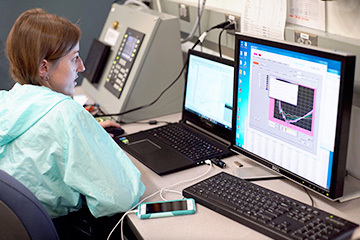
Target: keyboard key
(185, 142)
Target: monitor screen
(293, 105)
(209, 93)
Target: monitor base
(255, 173)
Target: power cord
(184, 181)
(204, 34)
(121, 224)
(126, 213)
(158, 5)
(230, 26)
(200, 40)
(131, 210)
(311, 199)
(136, 2)
(150, 104)
(199, 25)
(197, 22)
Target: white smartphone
(166, 208)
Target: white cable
(191, 34)
(158, 5)
(169, 190)
(129, 211)
(185, 181)
(202, 37)
(136, 2)
(151, 195)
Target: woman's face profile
(63, 74)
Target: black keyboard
(266, 211)
(186, 142)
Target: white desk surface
(205, 223)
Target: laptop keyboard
(266, 211)
(185, 142)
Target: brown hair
(38, 35)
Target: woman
(49, 142)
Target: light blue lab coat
(56, 148)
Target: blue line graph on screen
(288, 118)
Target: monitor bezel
(343, 118)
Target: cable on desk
(185, 181)
(131, 210)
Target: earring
(47, 78)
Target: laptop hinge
(215, 137)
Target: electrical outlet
(184, 13)
(236, 20)
(306, 38)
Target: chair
(22, 215)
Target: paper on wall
(264, 18)
(307, 13)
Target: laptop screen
(209, 88)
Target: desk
(205, 223)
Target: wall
(343, 16)
(231, 5)
(342, 24)
(342, 21)
(90, 15)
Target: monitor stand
(255, 173)
(352, 180)
(351, 189)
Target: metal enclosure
(158, 61)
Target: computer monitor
(293, 107)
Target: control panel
(123, 61)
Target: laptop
(206, 114)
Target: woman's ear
(43, 69)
